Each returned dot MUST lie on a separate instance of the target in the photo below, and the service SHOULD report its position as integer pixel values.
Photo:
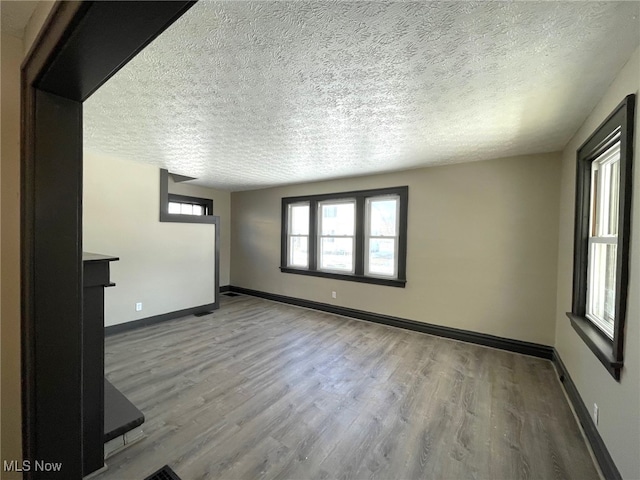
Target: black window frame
(205, 203)
(165, 198)
(608, 351)
(360, 197)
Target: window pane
(381, 256)
(336, 254)
(174, 207)
(595, 195)
(602, 285)
(298, 251)
(605, 180)
(299, 219)
(198, 210)
(613, 199)
(383, 217)
(610, 282)
(186, 209)
(338, 218)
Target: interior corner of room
(489, 239)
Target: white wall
(166, 266)
(619, 402)
(482, 247)
(222, 208)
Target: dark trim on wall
(36, 425)
(57, 312)
(145, 322)
(609, 352)
(606, 463)
(624, 224)
(360, 232)
(313, 239)
(225, 288)
(518, 346)
(597, 343)
(390, 282)
(94, 50)
(69, 60)
(206, 203)
(372, 192)
(358, 274)
(216, 268)
(165, 216)
(402, 239)
(180, 178)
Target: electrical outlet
(138, 306)
(334, 295)
(595, 413)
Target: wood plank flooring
(264, 390)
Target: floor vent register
(165, 473)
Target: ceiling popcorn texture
(245, 95)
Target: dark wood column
(79, 48)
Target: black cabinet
(95, 279)
(106, 413)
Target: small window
(182, 208)
(358, 236)
(184, 205)
(601, 245)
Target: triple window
(358, 236)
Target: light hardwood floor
(264, 390)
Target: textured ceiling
(15, 15)
(245, 95)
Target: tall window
(602, 227)
(337, 233)
(382, 235)
(298, 235)
(603, 238)
(356, 236)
